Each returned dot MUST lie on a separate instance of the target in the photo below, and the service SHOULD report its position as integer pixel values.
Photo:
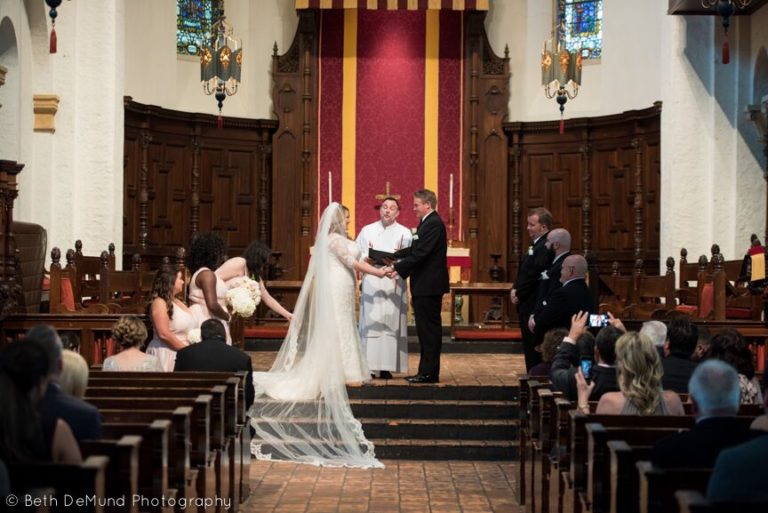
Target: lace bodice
(345, 250)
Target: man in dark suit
(83, 418)
(558, 246)
(682, 337)
(573, 297)
(739, 473)
(524, 293)
(427, 267)
(714, 389)
(213, 354)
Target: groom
(427, 267)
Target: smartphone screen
(586, 367)
(598, 320)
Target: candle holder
(450, 227)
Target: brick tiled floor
(456, 368)
(401, 487)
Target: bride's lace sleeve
(341, 249)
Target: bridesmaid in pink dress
(252, 265)
(171, 318)
(206, 291)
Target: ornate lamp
(53, 13)
(560, 69)
(221, 61)
(725, 9)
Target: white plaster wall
(72, 180)
(625, 78)
(258, 24)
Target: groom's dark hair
(213, 329)
(427, 196)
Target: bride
(301, 412)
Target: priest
(384, 301)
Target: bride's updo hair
(338, 223)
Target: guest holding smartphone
(571, 359)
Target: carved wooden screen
(183, 176)
(601, 180)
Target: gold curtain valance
(394, 5)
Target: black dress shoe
(424, 379)
(385, 375)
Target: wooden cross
(387, 194)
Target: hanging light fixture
(725, 9)
(560, 69)
(53, 13)
(221, 61)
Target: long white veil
(301, 412)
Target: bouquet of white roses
(243, 296)
(194, 336)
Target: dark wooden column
(10, 289)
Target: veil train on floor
(301, 412)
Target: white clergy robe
(384, 302)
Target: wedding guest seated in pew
(207, 292)
(213, 354)
(548, 348)
(26, 437)
(638, 372)
(567, 362)
(761, 422)
(83, 418)
(252, 265)
(729, 346)
(130, 333)
(739, 473)
(702, 345)
(74, 374)
(657, 332)
(714, 391)
(682, 336)
(171, 319)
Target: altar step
(450, 346)
(437, 421)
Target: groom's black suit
(427, 267)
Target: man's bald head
(574, 266)
(559, 240)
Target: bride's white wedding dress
(301, 412)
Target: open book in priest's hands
(382, 257)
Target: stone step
(429, 409)
(456, 429)
(401, 389)
(442, 449)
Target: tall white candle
(330, 188)
(450, 192)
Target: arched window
(193, 21)
(582, 23)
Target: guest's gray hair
(656, 331)
(714, 385)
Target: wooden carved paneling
(184, 176)
(486, 96)
(600, 179)
(294, 158)
(10, 289)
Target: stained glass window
(582, 23)
(193, 21)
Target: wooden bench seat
(122, 472)
(75, 481)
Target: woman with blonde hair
(130, 333)
(74, 373)
(639, 372)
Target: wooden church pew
(690, 501)
(122, 472)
